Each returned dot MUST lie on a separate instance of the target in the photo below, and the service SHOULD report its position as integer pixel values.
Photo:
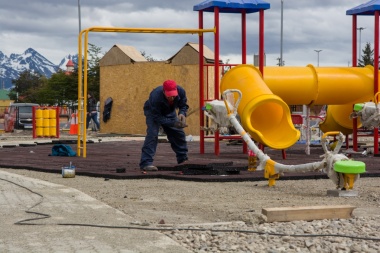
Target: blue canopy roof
(232, 6)
(368, 8)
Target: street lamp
(360, 41)
(318, 55)
(80, 29)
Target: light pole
(360, 42)
(318, 55)
(80, 29)
(282, 18)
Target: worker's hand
(179, 124)
(182, 118)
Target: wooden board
(308, 213)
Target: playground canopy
(368, 8)
(232, 6)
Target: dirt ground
(185, 202)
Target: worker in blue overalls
(160, 110)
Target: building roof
(207, 53)
(70, 63)
(232, 6)
(131, 52)
(365, 9)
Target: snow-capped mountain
(12, 66)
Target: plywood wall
(129, 85)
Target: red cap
(170, 88)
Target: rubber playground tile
(120, 160)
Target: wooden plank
(308, 213)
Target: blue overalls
(159, 112)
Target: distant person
(92, 113)
(160, 110)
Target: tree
(61, 88)
(26, 87)
(93, 71)
(367, 56)
(147, 57)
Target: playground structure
(264, 94)
(264, 110)
(338, 167)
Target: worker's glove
(182, 118)
(179, 124)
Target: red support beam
(354, 41)
(243, 37)
(261, 42)
(216, 70)
(376, 78)
(201, 85)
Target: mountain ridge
(12, 66)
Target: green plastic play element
(349, 166)
(358, 107)
(208, 107)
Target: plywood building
(127, 77)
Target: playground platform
(120, 159)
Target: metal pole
(80, 29)
(360, 41)
(318, 55)
(282, 18)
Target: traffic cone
(74, 124)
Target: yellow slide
(264, 110)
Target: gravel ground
(226, 216)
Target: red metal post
(354, 41)
(243, 37)
(57, 121)
(34, 121)
(201, 86)
(244, 53)
(261, 42)
(376, 78)
(216, 71)
(354, 134)
(354, 64)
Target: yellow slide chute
(264, 110)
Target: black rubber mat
(120, 160)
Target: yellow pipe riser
(265, 116)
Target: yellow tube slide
(264, 110)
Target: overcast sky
(51, 27)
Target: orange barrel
(45, 114)
(46, 129)
(39, 131)
(45, 123)
(53, 127)
(52, 131)
(52, 122)
(39, 122)
(38, 113)
(52, 113)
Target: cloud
(52, 27)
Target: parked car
(18, 116)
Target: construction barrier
(45, 122)
(74, 124)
